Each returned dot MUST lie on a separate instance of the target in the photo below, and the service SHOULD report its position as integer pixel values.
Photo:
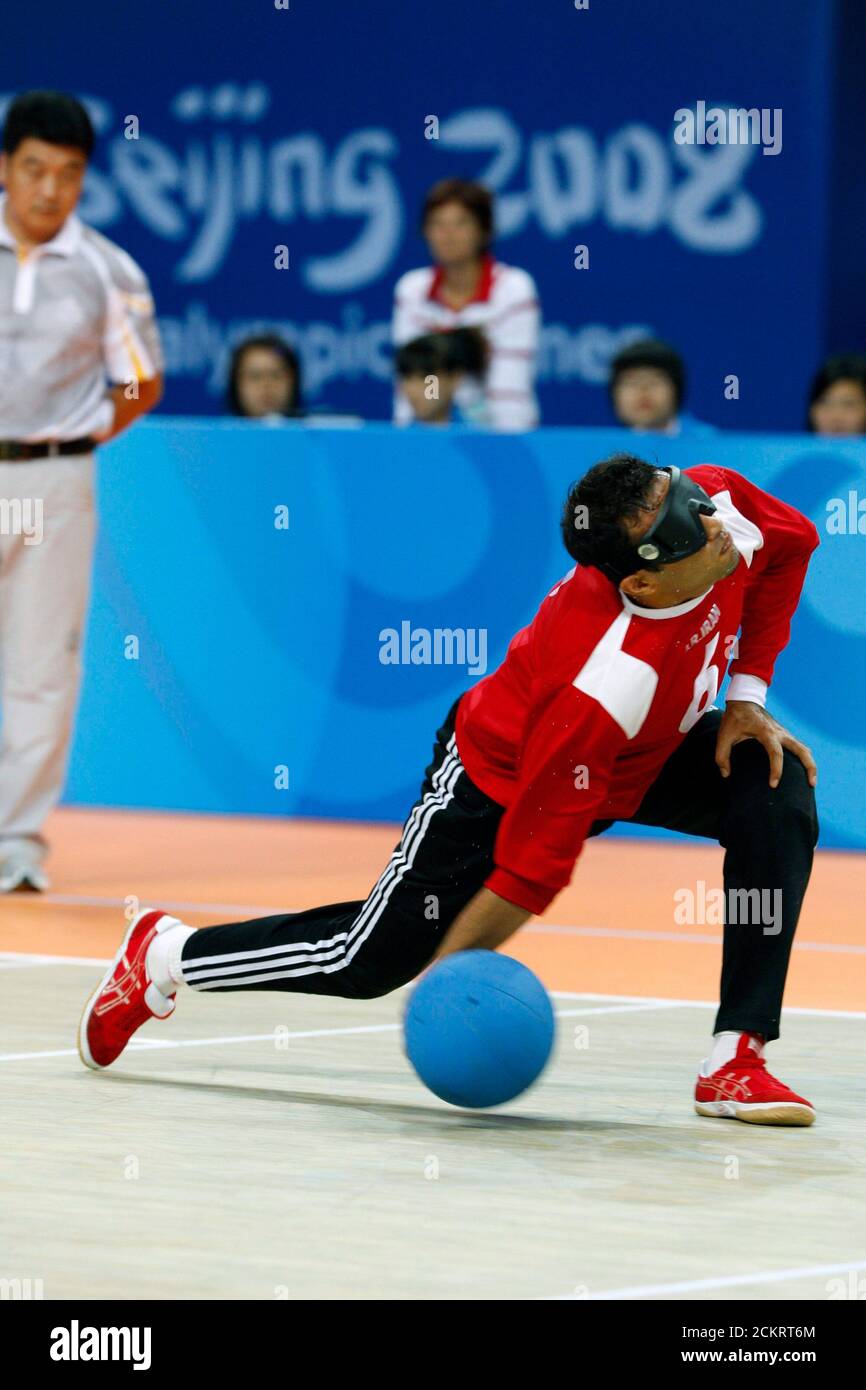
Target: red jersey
(596, 693)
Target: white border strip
(728, 1281)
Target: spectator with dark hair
(837, 399)
(467, 287)
(264, 380)
(647, 387)
(431, 368)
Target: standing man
(80, 359)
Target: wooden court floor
(276, 1146)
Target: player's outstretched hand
(742, 720)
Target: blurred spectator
(837, 400)
(467, 287)
(431, 368)
(264, 379)
(647, 387)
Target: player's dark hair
(287, 355)
(846, 367)
(651, 352)
(456, 350)
(54, 117)
(474, 197)
(596, 508)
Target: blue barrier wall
(228, 130)
(223, 644)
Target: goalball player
(602, 710)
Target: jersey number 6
(706, 688)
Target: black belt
(14, 451)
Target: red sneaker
(743, 1089)
(125, 998)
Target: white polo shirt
(505, 308)
(75, 314)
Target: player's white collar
(676, 612)
(63, 243)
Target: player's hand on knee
(741, 720)
(803, 753)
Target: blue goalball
(478, 1029)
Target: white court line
(799, 1009)
(151, 1044)
(27, 958)
(691, 938)
(728, 1281)
(244, 910)
(18, 959)
(631, 1008)
(623, 1004)
(98, 900)
(21, 958)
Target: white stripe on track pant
(367, 948)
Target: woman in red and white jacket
(467, 287)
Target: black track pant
(367, 948)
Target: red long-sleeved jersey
(596, 693)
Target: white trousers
(47, 529)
